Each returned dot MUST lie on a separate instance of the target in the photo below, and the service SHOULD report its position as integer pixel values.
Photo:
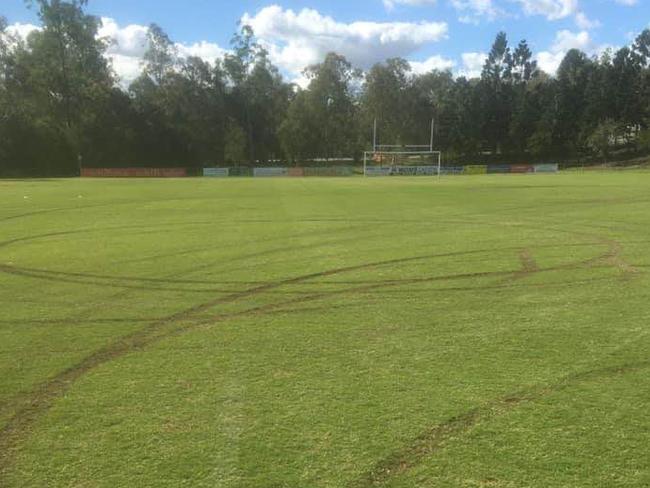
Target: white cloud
(294, 41)
(437, 62)
(561, 9)
(130, 40)
(391, 4)
(583, 22)
(565, 40)
(551, 9)
(550, 61)
(128, 44)
(469, 11)
(301, 80)
(472, 11)
(127, 68)
(472, 64)
(297, 39)
(628, 3)
(21, 31)
(207, 51)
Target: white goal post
(402, 163)
(402, 160)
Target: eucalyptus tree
(67, 58)
(332, 103)
(248, 69)
(431, 98)
(386, 97)
(61, 83)
(4, 116)
(161, 57)
(4, 50)
(299, 132)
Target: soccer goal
(402, 160)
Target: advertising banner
(378, 171)
(296, 172)
(522, 168)
(270, 172)
(547, 168)
(216, 172)
(133, 172)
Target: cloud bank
(297, 39)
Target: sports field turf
(482, 331)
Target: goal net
(402, 161)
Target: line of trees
(60, 105)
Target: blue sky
(453, 34)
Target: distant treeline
(60, 105)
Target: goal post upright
(374, 136)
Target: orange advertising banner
(133, 172)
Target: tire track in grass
(24, 397)
(42, 398)
(114, 280)
(39, 400)
(266, 287)
(435, 439)
(78, 321)
(91, 207)
(45, 276)
(122, 281)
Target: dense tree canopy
(61, 106)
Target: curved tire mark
(431, 441)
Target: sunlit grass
(472, 331)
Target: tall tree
(385, 99)
(525, 108)
(238, 65)
(524, 68)
(642, 46)
(4, 55)
(627, 67)
(69, 56)
(572, 81)
(299, 133)
(3, 48)
(333, 105)
(161, 57)
(430, 97)
(495, 77)
(59, 84)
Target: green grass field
(480, 331)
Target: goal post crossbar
(404, 153)
(376, 146)
(401, 146)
